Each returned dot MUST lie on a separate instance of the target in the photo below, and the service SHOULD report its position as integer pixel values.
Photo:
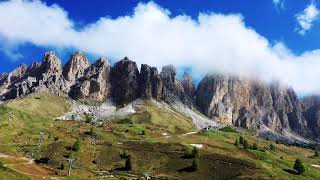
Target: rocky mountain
(250, 104)
(94, 84)
(312, 114)
(230, 100)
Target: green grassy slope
(153, 137)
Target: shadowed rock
(124, 80)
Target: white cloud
(279, 4)
(307, 17)
(211, 43)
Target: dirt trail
(26, 166)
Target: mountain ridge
(226, 99)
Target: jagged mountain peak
(231, 100)
(75, 67)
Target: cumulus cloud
(210, 43)
(279, 4)
(307, 17)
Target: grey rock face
(75, 67)
(188, 85)
(125, 81)
(94, 85)
(312, 114)
(250, 104)
(3, 78)
(172, 87)
(150, 82)
(165, 86)
(17, 74)
(47, 74)
(51, 72)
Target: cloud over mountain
(211, 43)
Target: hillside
(158, 139)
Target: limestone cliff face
(75, 67)
(3, 78)
(150, 82)
(250, 104)
(312, 114)
(125, 83)
(47, 74)
(188, 85)
(165, 86)
(94, 84)
(17, 74)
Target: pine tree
(241, 140)
(245, 144)
(299, 167)
(128, 166)
(194, 165)
(62, 166)
(76, 145)
(195, 152)
(255, 146)
(272, 147)
(236, 142)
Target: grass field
(153, 137)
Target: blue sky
(265, 36)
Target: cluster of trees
(76, 145)
(314, 146)
(299, 167)
(195, 162)
(241, 141)
(245, 144)
(128, 163)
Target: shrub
(241, 139)
(299, 167)
(228, 129)
(124, 155)
(92, 132)
(194, 152)
(194, 165)
(254, 146)
(128, 165)
(272, 147)
(62, 166)
(143, 132)
(236, 142)
(245, 144)
(76, 145)
(316, 153)
(88, 118)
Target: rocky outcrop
(125, 81)
(150, 82)
(188, 85)
(172, 89)
(250, 104)
(47, 74)
(51, 72)
(94, 84)
(17, 74)
(312, 114)
(3, 78)
(75, 67)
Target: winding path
(26, 166)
